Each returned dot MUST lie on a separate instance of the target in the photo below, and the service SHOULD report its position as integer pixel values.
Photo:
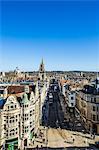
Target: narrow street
(59, 129)
(55, 116)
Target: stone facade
(21, 112)
(42, 73)
(88, 105)
(18, 118)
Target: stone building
(21, 112)
(42, 73)
(17, 118)
(87, 102)
(43, 85)
(71, 100)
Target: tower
(97, 83)
(5, 93)
(42, 73)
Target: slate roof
(2, 102)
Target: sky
(64, 33)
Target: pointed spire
(42, 61)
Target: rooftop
(2, 102)
(89, 89)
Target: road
(55, 116)
(57, 134)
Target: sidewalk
(64, 138)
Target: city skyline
(65, 34)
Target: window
(94, 117)
(97, 117)
(12, 106)
(93, 108)
(71, 104)
(72, 98)
(95, 99)
(97, 108)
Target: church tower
(42, 73)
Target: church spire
(42, 61)
(42, 74)
(41, 68)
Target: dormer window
(12, 106)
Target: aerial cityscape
(49, 75)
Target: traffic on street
(56, 114)
(53, 115)
(61, 129)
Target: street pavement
(72, 121)
(55, 135)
